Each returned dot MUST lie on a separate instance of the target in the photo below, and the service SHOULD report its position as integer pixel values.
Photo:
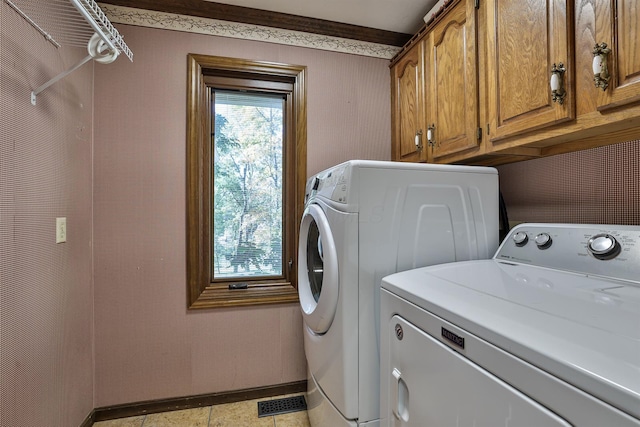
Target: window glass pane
(247, 185)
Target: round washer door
(317, 270)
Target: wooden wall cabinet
(434, 93)
(451, 65)
(616, 25)
(525, 40)
(509, 50)
(601, 116)
(408, 105)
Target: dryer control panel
(611, 251)
(332, 184)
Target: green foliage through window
(247, 185)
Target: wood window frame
(201, 292)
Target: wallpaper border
(214, 27)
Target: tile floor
(239, 414)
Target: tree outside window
(247, 165)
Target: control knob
(603, 246)
(520, 238)
(543, 241)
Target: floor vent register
(281, 406)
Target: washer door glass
(317, 270)
(315, 260)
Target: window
(246, 171)
(247, 185)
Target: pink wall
(46, 289)
(148, 346)
(596, 186)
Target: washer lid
(582, 329)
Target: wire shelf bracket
(83, 23)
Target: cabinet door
(618, 25)
(407, 92)
(452, 85)
(524, 40)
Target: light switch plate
(61, 230)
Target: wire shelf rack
(75, 23)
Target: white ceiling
(402, 16)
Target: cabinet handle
(418, 140)
(600, 69)
(431, 130)
(557, 83)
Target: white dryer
(547, 333)
(365, 220)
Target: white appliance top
(340, 184)
(565, 298)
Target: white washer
(364, 220)
(547, 333)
